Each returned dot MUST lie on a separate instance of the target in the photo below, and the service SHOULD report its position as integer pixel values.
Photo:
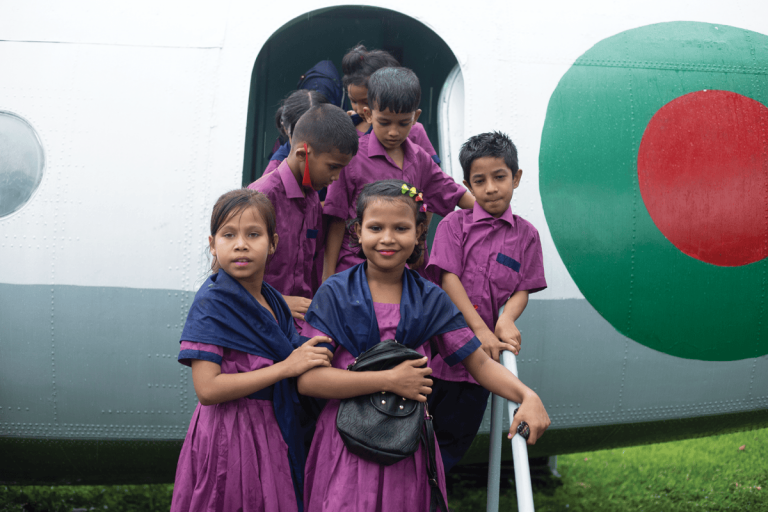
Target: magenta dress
(234, 456)
(338, 481)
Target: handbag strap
(436, 496)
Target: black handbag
(386, 428)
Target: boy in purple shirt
(386, 153)
(484, 258)
(324, 141)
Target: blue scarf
(343, 309)
(227, 315)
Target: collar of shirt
(479, 214)
(292, 187)
(376, 149)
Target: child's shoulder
(524, 226)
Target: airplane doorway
(328, 34)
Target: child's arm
(406, 379)
(467, 201)
(491, 345)
(333, 243)
(298, 305)
(506, 330)
(214, 387)
(500, 381)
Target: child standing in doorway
(387, 153)
(324, 141)
(484, 258)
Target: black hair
(234, 202)
(493, 144)
(388, 190)
(325, 128)
(359, 64)
(396, 89)
(293, 107)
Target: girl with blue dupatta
(378, 300)
(244, 448)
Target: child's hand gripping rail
(519, 450)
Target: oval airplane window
(21, 162)
(304, 41)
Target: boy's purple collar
(478, 213)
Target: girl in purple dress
(244, 448)
(377, 300)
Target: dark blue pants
(457, 409)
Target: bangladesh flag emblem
(654, 182)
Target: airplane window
(21, 162)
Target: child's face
(241, 245)
(492, 183)
(388, 233)
(391, 129)
(324, 168)
(358, 98)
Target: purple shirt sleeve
(271, 166)
(441, 193)
(447, 250)
(455, 346)
(337, 201)
(532, 271)
(190, 350)
(419, 137)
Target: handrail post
(494, 454)
(519, 449)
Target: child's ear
(469, 187)
(416, 115)
(299, 151)
(210, 246)
(368, 115)
(516, 178)
(421, 229)
(358, 230)
(275, 240)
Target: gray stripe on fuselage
(100, 362)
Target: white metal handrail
(519, 451)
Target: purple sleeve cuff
(533, 285)
(463, 352)
(186, 356)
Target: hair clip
(412, 192)
(419, 198)
(404, 189)
(423, 207)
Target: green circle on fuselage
(634, 277)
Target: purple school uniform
(338, 481)
(372, 163)
(234, 456)
(299, 221)
(493, 258)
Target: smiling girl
(377, 300)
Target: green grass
(709, 474)
(700, 474)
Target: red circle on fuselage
(703, 174)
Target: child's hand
(533, 413)
(508, 333)
(491, 345)
(297, 305)
(410, 381)
(308, 356)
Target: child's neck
(386, 286)
(297, 169)
(397, 155)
